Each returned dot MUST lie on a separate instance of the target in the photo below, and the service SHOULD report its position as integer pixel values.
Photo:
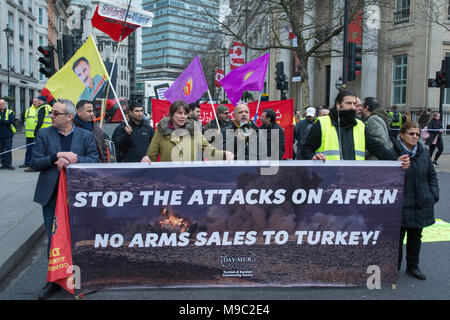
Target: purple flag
(190, 84)
(249, 77)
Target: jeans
(5, 145)
(413, 244)
(29, 152)
(49, 216)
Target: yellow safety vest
(47, 120)
(30, 122)
(399, 122)
(8, 112)
(330, 143)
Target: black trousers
(413, 244)
(440, 146)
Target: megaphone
(246, 130)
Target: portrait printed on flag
(93, 85)
(83, 77)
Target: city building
(181, 30)
(125, 66)
(24, 27)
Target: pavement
(21, 221)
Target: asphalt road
(25, 282)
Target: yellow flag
(83, 77)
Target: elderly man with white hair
(56, 147)
(241, 137)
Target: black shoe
(30, 169)
(10, 168)
(416, 273)
(23, 166)
(48, 291)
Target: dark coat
(421, 190)
(247, 149)
(435, 125)
(47, 144)
(135, 145)
(281, 140)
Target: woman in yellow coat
(178, 138)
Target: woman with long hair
(420, 193)
(435, 140)
(180, 139)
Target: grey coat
(377, 125)
(421, 190)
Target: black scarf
(346, 118)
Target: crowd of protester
(353, 129)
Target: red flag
(60, 260)
(219, 76)
(112, 27)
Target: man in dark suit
(56, 147)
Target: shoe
(435, 164)
(23, 166)
(416, 273)
(48, 291)
(29, 170)
(10, 168)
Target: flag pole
(113, 65)
(214, 110)
(257, 108)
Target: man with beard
(341, 136)
(85, 119)
(377, 122)
(241, 136)
(223, 119)
(269, 122)
(133, 140)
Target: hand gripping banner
(222, 224)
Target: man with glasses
(56, 147)
(223, 118)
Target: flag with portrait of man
(83, 77)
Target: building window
(11, 24)
(448, 11)
(399, 76)
(402, 10)
(41, 16)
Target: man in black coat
(242, 136)
(133, 139)
(269, 123)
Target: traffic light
(446, 69)
(354, 60)
(279, 75)
(47, 60)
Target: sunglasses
(55, 114)
(413, 134)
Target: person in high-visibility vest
(341, 136)
(30, 125)
(7, 130)
(396, 123)
(43, 112)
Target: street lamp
(339, 84)
(8, 32)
